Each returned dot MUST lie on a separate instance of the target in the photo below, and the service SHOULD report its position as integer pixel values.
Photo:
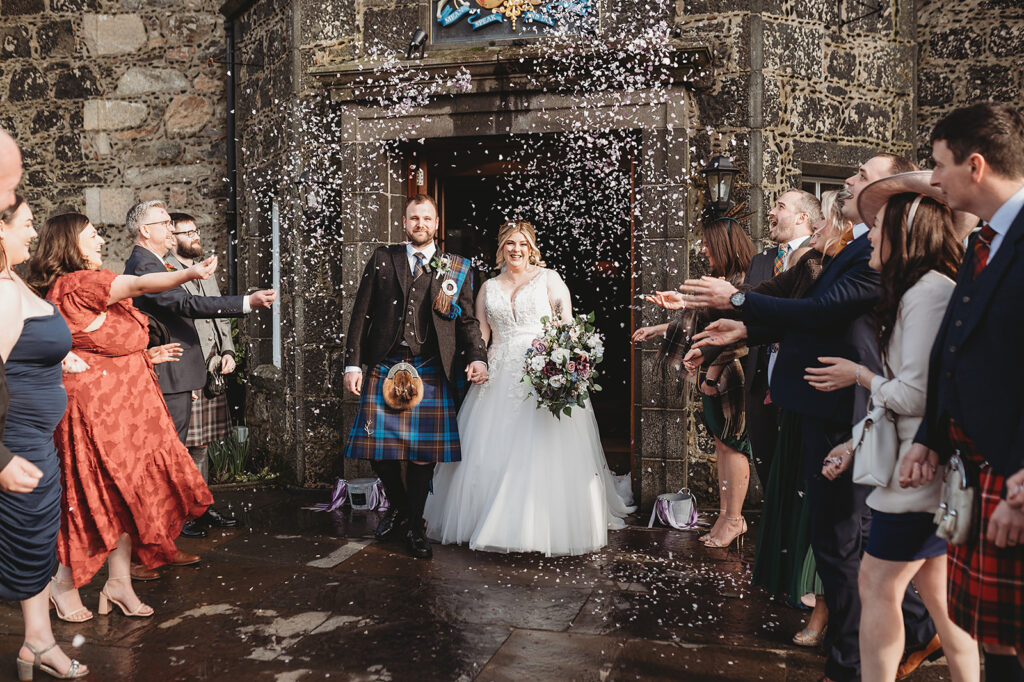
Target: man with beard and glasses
(211, 418)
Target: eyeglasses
(162, 223)
(188, 233)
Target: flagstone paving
(301, 595)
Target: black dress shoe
(417, 545)
(191, 529)
(391, 521)
(214, 518)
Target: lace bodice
(514, 318)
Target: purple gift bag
(678, 510)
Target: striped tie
(417, 269)
(780, 259)
(982, 247)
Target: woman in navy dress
(34, 339)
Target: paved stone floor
(300, 595)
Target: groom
(414, 305)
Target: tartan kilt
(428, 432)
(211, 421)
(985, 589)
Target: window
(818, 184)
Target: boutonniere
(441, 265)
(170, 268)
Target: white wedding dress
(527, 482)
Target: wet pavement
(302, 595)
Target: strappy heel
(79, 615)
(738, 538)
(704, 538)
(143, 610)
(27, 668)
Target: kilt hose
(211, 421)
(428, 432)
(986, 584)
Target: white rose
(537, 363)
(557, 381)
(560, 356)
(594, 341)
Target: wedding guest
(916, 250)
(974, 400)
(211, 419)
(127, 480)
(728, 250)
(150, 226)
(34, 340)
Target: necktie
(780, 259)
(982, 247)
(417, 269)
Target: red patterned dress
(123, 469)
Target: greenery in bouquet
(561, 364)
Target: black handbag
(159, 334)
(214, 379)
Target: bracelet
(856, 375)
(849, 450)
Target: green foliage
(230, 460)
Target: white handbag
(876, 447)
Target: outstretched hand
(263, 298)
(669, 300)
(709, 292)
(169, 352)
(720, 333)
(204, 269)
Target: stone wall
(969, 51)
(116, 102)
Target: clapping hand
(720, 333)
(918, 466)
(20, 476)
(169, 352)
(644, 333)
(72, 364)
(837, 461)
(669, 300)
(709, 292)
(262, 299)
(477, 372)
(1015, 490)
(204, 269)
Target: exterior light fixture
(720, 174)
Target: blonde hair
(524, 228)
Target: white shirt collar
(427, 251)
(1004, 217)
(794, 244)
(859, 230)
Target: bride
(527, 482)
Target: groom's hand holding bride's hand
(477, 372)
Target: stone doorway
(583, 213)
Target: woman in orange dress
(127, 480)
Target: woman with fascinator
(728, 250)
(917, 248)
(528, 481)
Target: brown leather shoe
(140, 572)
(912, 659)
(183, 559)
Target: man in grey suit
(211, 418)
(150, 226)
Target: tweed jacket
(214, 333)
(378, 314)
(176, 308)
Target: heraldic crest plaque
(460, 21)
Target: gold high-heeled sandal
(143, 610)
(738, 538)
(704, 538)
(27, 668)
(79, 615)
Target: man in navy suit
(150, 225)
(833, 320)
(975, 405)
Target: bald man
(17, 475)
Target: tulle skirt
(528, 481)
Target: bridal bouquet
(561, 364)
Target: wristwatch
(738, 299)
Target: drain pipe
(232, 211)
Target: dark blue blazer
(976, 375)
(176, 308)
(833, 319)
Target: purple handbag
(678, 510)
